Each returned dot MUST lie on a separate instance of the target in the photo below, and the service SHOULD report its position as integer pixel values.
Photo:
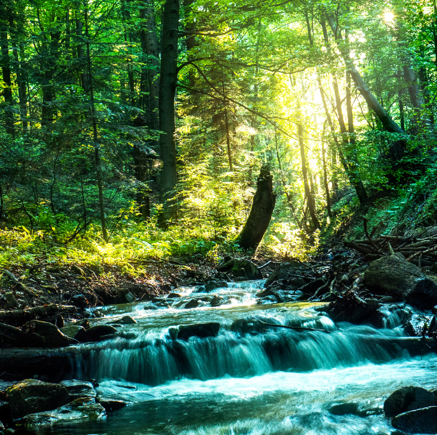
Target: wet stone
(31, 396)
(96, 333)
(72, 330)
(193, 303)
(423, 421)
(78, 389)
(201, 330)
(408, 399)
(81, 409)
(111, 404)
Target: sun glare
(389, 17)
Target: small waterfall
(151, 359)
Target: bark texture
(261, 212)
(167, 90)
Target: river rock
(351, 308)
(193, 303)
(216, 301)
(127, 320)
(243, 269)
(346, 408)
(174, 296)
(31, 396)
(78, 389)
(81, 409)
(96, 333)
(201, 330)
(408, 399)
(150, 306)
(111, 404)
(423, 421)
(72, 330)
(252, 325)
(395, 276)
(212, 285)
(52, 335)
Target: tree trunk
(150, 48)
(354, 179)
(6, 72)
(308, 194)
(261, 212)
(167, 90)
(325, 175)
(97, 158)
(397, 148)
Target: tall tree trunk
(260, 213)
(97, 157)
(397, 148)
(325, 174)
(284, 184)
(167, 91)
(17, 32)
(6, 70)
(354, 179)
(150, 48)
(308, 194)
(228, 138)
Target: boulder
(346, 408)
(408, 399)
(72, 330)
(395, 276)
(96, 333)
(111, 404)
(78, 389)
(284, 272)
(150, 306)
(243, 269)
(127, 320)
(201, 330)
(252, 325)
(351, 308)
(81, 409)
(174, 296)
(130, 297)
(31, 396)
(52, 335)
(423, 421)
(212, 285)
(193, 303)
(216, 301)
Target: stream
(251, 378)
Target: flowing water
(251, 378)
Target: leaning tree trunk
(261, 212)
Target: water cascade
(270, 369)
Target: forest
(143, 127)
(223, 202)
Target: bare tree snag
(261, 212)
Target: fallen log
(19, 317)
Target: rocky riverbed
(337, 345)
